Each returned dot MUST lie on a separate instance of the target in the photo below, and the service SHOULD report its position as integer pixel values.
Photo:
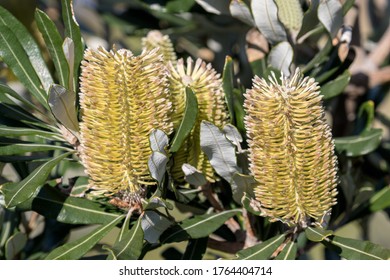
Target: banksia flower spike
(207, 85)
(155, 39)
(123, 98)
(291, 149)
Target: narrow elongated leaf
(15, 193)
(219, 150)
(29, 45)
(317, 234)
(17, 149)
(228, 87)
(72, 30)
(352, 249)
(153, 225)
(78, 248)
(15, 245)
(359, 145)
(289, 252)
(336, 86)
(62, 103)
(6, 131)
(158, 141)
(265, 13)
(330, 13)
(188, 121)
(380, 200)
(50, 203)
(6, 89)
(197, 227)
(262, 251)
(193, 176)
(157, 164)
(130, 245)
(16, 58)
(53, 42)
(280, 57)
(240, 10)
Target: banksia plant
(155, 39)
(207, 86)
(291, 149)
(123, 98)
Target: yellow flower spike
(291, 149)
(123, 98)
(155, 39)
(207, 85)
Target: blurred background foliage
(351, 63)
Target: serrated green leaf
(228, 87)
(50, 203)
(352, 249)
(262, 251)
(336, 86)
(153, 225)
(280, 57)
(265, 13)
(15, 245)
(158, 141)
(317, 234)
(129, 247)
(29, 45)
(289, 252)
(380, 200)
(72, 30)
(241, 11)
(53, 41)
(16, 58)
(197, 227)
(193, 176)
(188, 121)
(62, 103)
(359, 145)
(15, 193)
(330, 14)
(220, 151)
(157, 164)
(78, 248)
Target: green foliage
(39, 137)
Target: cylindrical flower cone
(123, 98)
(291, 149)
